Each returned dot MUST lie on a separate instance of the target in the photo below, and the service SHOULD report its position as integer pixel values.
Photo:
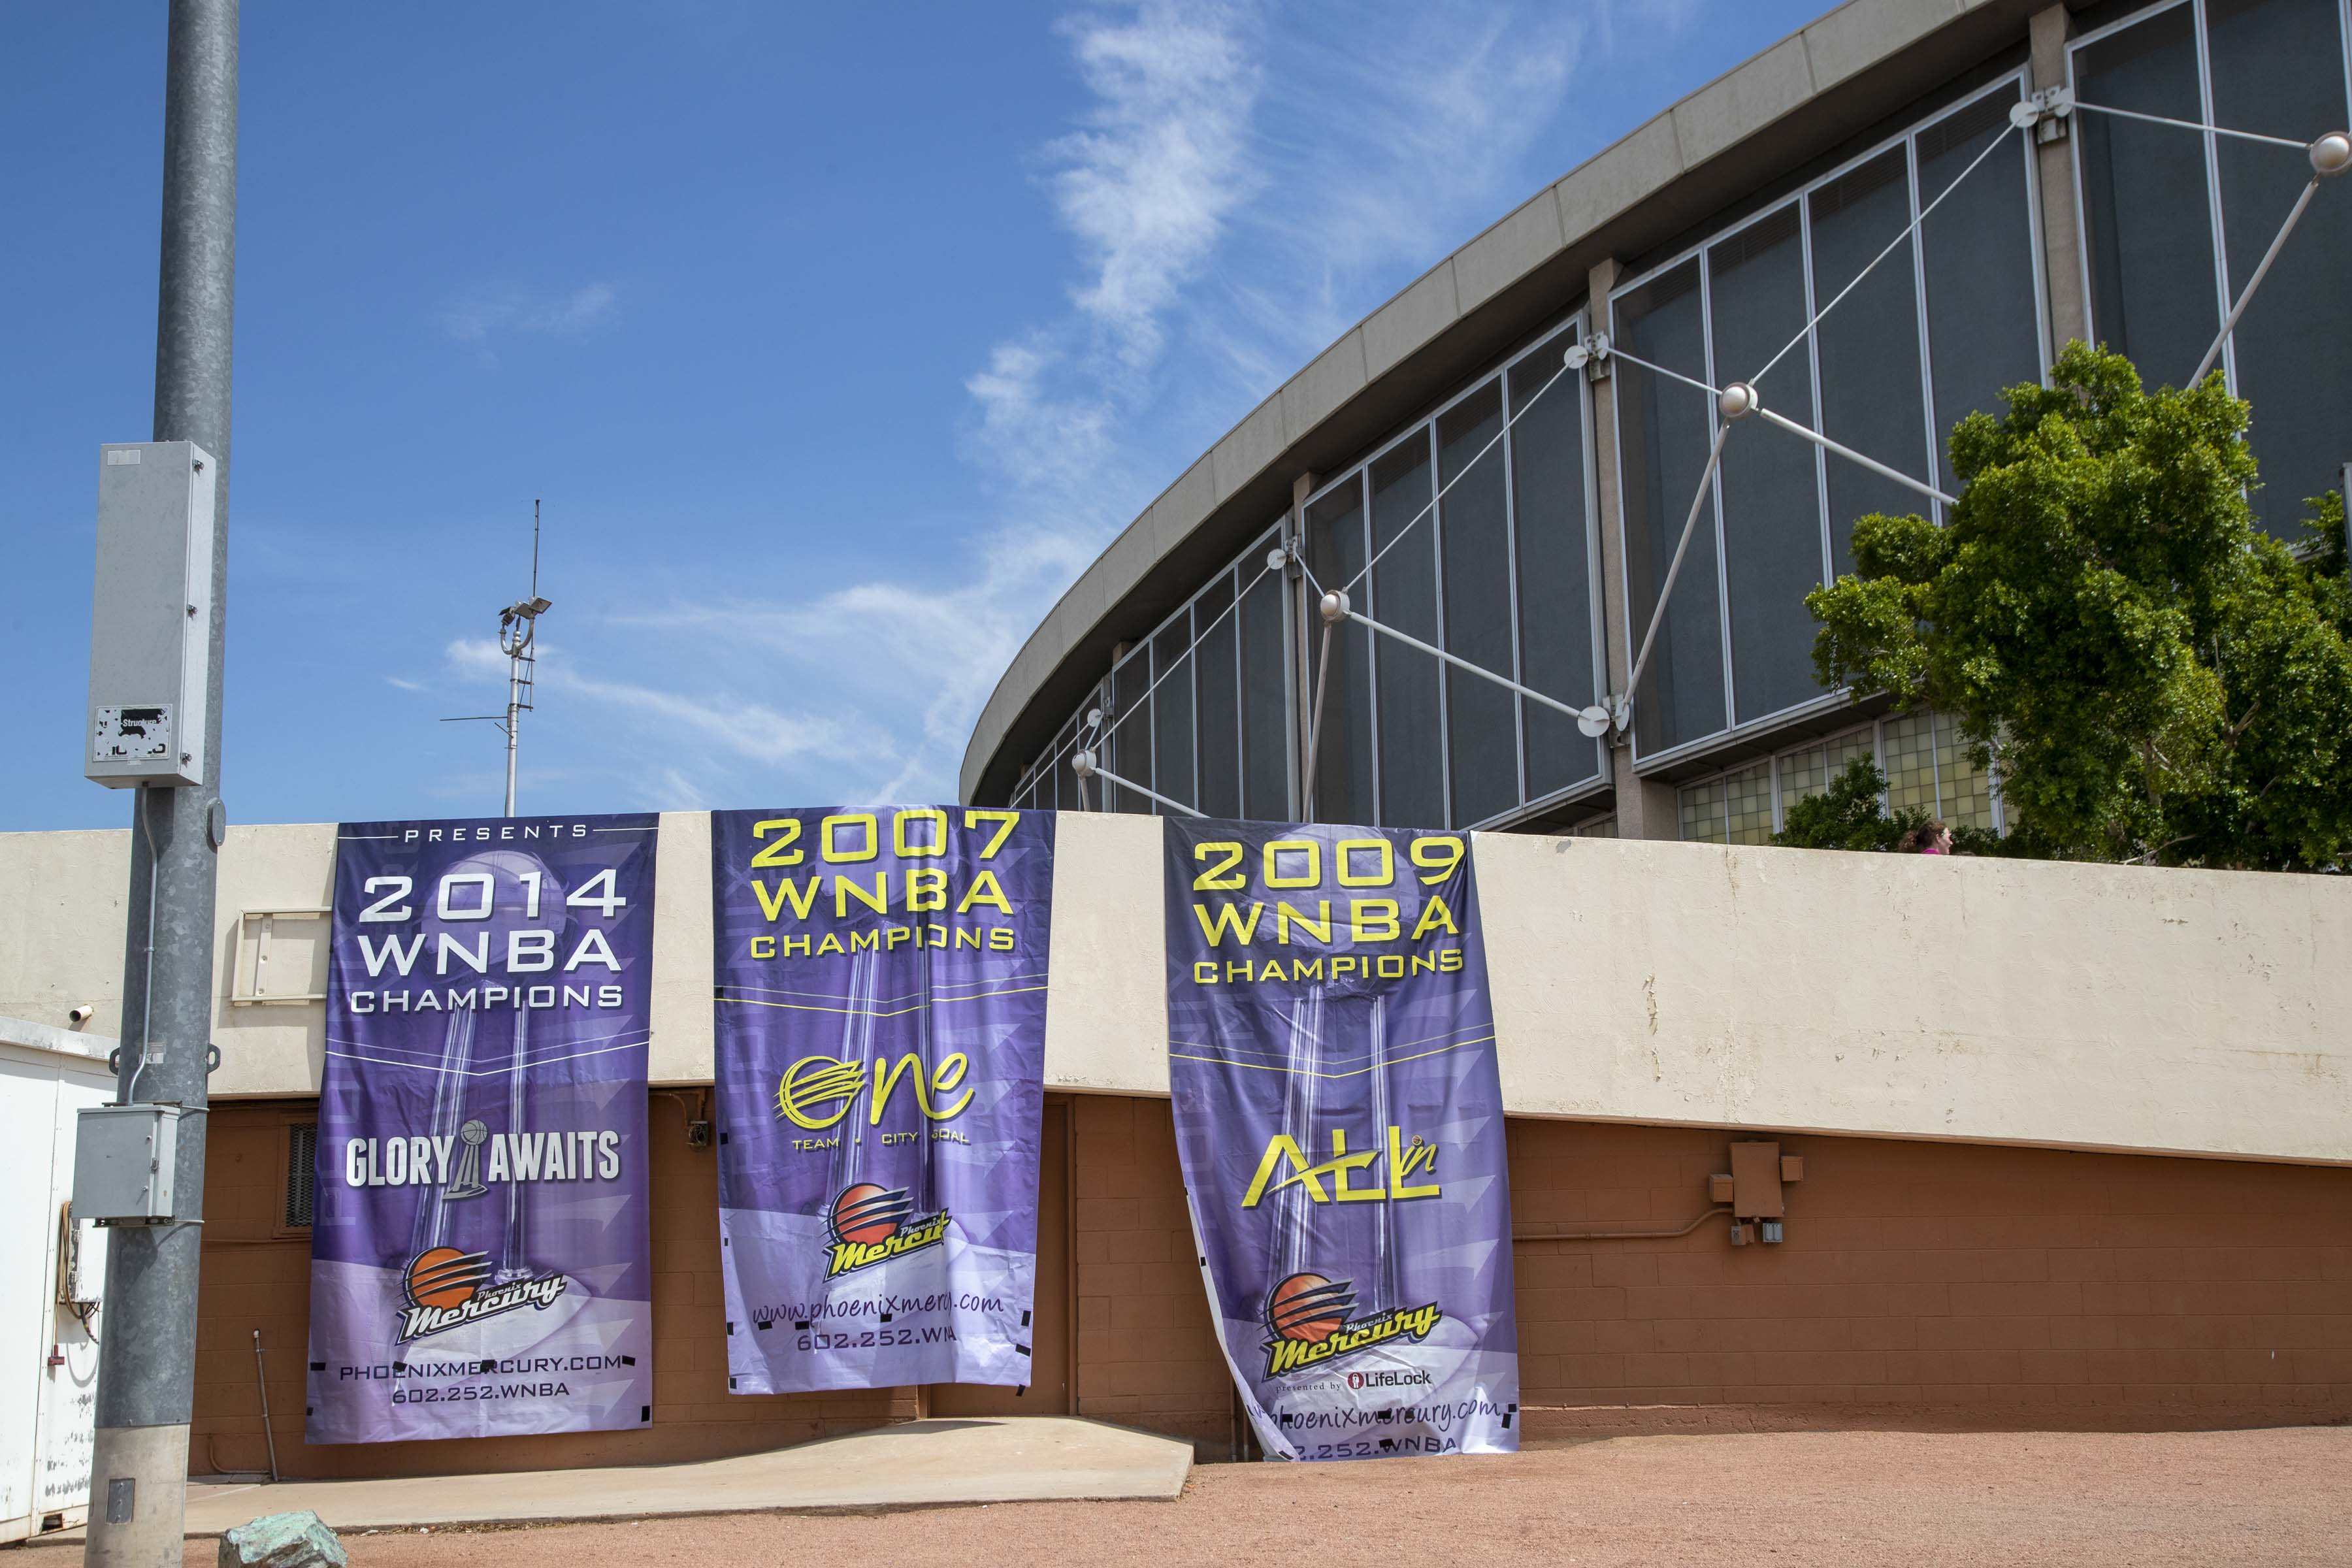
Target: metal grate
(301, 1173)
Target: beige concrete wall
(2071, 1007)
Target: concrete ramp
(916, 1464)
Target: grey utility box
(151, 615)
(126, 1165)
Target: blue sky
(836, 341)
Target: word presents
(1403, 1161)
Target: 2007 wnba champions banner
(880, 1057)
(480, 1256)
(1331, 1052)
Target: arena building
(2056, 1145)
(1956, 189)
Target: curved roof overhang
(1754, 125)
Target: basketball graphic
(1309, 1308)
(442, 1276)
(865, 1214)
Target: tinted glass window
(1217, 694)
(1343, 752)
(1128, 739)
(2278, 68)
(1480, 718)
(1664, 430)
(1869, 344)
(2150, 231)
(1172, 712)
(1404, 596)
(1983, 334)
(1546, 445)
(1772, 495)
(1265, 698)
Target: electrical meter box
(126, 1165)
(151, 615)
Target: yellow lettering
(833, 852)
(847, 887)
(1401, 1164)
(1215, 879)
(1276, 848)
(1342, 1163)
(1437, 857)
(1284, 914)
(1282, 1146)
(1434, 915)
(984, 891)
(926, 889)
(1007, 818)
(1373, 920)
(779, 853)
(787, 892)
(937, 846)
(1345, 851)
(763, 947)
(813, 1079)
(1227, 918)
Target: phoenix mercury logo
(1310, 1320)
(870, 1223)
(448, 1289)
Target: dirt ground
(2277, 1496)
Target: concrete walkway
(917, 1464)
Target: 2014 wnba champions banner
(880, 1054)
(480, 1256)
(1331, 1052)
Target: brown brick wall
(251, 1281)
(1920, 1282)
(1148, 1355)
(2004, 1283)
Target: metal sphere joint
(1335, 606)
(1739, 400)
(1082, 762)
(2332, 154)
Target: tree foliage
(1849, 815)
(1852, 814)
(2154, 678)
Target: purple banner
(480, 1264)
(881, 1033)
(1332, 1053)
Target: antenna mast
(518, 632)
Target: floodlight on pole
(518, 632)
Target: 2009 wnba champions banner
(1331, 1052)
(880, 1054)
(480, 1256)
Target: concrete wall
(2077, 1006)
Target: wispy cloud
(481, 316)
(718, 722)
(1242, 185)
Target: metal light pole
(147, 1360)
(518, 632)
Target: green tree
(2154, 678)
(1851, 813)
